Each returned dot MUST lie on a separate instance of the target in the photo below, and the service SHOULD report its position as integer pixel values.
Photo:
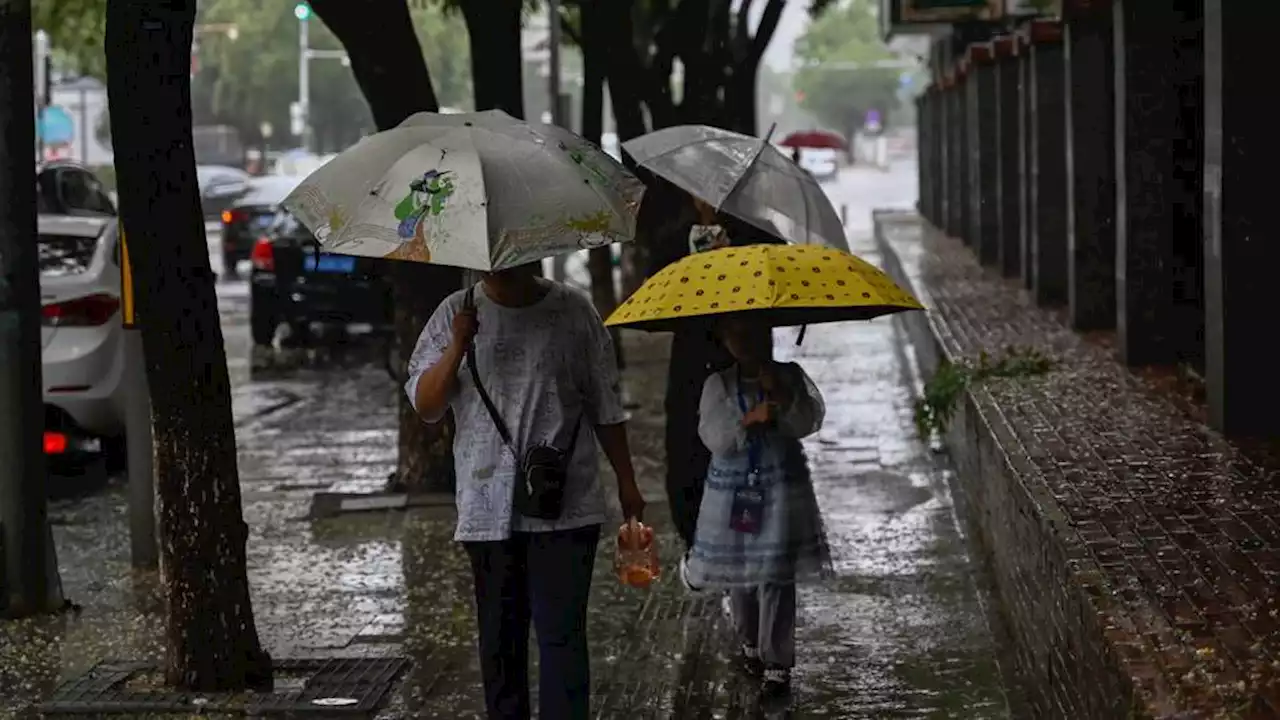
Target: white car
(82, 348)
(822, 163)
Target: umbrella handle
(800, 338)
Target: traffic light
(302, 11)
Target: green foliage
(844, 32)
(253, 78)
(943, 392)
(76, 29)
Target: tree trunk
(211, 640)
(497, 68)
(393, 76)
(27, 587)
(594, 62)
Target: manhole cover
(331, 686)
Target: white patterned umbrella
(483, 191)
(744, 176)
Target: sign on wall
(927, 17)
(1033, 8)
(950, 11)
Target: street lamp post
(302, 11)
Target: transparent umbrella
(746, 177)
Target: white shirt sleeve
(432, 343)
(720, 418)
(804, 416)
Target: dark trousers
(545, 577)
(694, 356)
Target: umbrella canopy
(746, 177)
(814, 139)
(783, 285)
(482, 191)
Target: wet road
(899, 633)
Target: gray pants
(764, 618)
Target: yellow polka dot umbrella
(786, 285)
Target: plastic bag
(636, 560)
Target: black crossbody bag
(544, 469)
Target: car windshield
(63, 255)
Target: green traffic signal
(302, 11)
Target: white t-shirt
(544, 366)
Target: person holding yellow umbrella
(759, 530)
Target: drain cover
(335, 702)
(333, 686)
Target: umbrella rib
(745, 171)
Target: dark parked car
(220, 187)
(248, 217)
(293, 283)
(65, 188)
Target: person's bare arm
(617, 448)
(437, 384)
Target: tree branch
(768, 26)
(742, 31)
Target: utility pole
(44, 84)
(302, 11)
(29, 576)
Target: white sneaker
(684, 575)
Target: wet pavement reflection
(899, 632)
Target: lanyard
(755, 444)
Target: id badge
(747, 512)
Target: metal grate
(333, 686)
(337, 686)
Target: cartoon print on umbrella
(428, 196)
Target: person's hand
(465, 325)
(631, 500)
(762, 414)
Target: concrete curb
(1017, 532)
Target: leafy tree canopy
(847, 31)
(252, 78)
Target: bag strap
(498, 422)
(484, 394)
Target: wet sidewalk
(900, 632)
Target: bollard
(143, 549)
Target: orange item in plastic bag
(636, 561)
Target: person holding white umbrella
(524, 364)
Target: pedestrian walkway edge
(1063, 662)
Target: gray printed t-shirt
(544, 366)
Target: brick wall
(1063, 663)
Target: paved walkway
(899, 633)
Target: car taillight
(231, 216)
(263, 256)
(55, 443)
(82, 312)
